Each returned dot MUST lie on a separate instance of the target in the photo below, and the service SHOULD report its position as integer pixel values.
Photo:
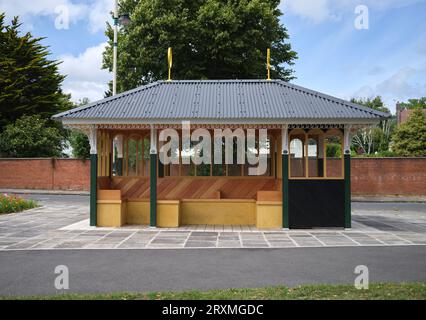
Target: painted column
(347, 169)
(93, 174)
(153, 178)
(284, 163)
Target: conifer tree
(29, 82)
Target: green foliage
(80, 145)
(79, 142)
(30, 136)
(11, 203)
(376, 103)
(29, 82)
(211, 39)
(333, 150)
(414, 103)
(409, 139)
(374, 140)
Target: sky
(346, 48)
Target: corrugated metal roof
(221, 99)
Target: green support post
(153, 190)
(93, 188)
(348, 218)
(285, 198)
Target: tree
(211, 39)
(80, 145)
(409, 139)
(29, 82)
(79, 142)
(30, 136)
(376, 138)
(414, 104)
(375, 103)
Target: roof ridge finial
(169, 62)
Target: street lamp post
(114, 52)
(123, 20)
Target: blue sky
(387, 59)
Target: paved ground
(387, 238)
(62, 223)
(32, 272)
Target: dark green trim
(93, 187)
(285, 198)
(160, 170)
(153, 190)
(348, 218)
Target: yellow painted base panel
(269, 214)
(172, 214)
(168, 214)
(111, 214)
(218, 212)
(137, 212)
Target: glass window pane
(203, 169)
(297, 161)
(219, 169)
(172, 169)
(334, 156)
(264, 150)
(234, 169)
(117, 155)
(139, 157)
(131, 160)
(315, 155)
(146, 156)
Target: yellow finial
(268, 62)
(169, 59)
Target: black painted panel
(316, 203)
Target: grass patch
(12, 203)
(379, 291)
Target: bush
(11, 203)
(31, 136)
(409, 139)
(80, 145)
(334, 150)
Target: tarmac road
(32, 272)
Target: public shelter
(306, 184)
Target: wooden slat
(175, 188)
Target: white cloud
(400, 86)
(96, 13)
(99, 14)
(321, 10)
(85, 78)
(85, 89)
(315, 10)
(399, 83)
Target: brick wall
(51, 174)
(388, 176)
(370, 176)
